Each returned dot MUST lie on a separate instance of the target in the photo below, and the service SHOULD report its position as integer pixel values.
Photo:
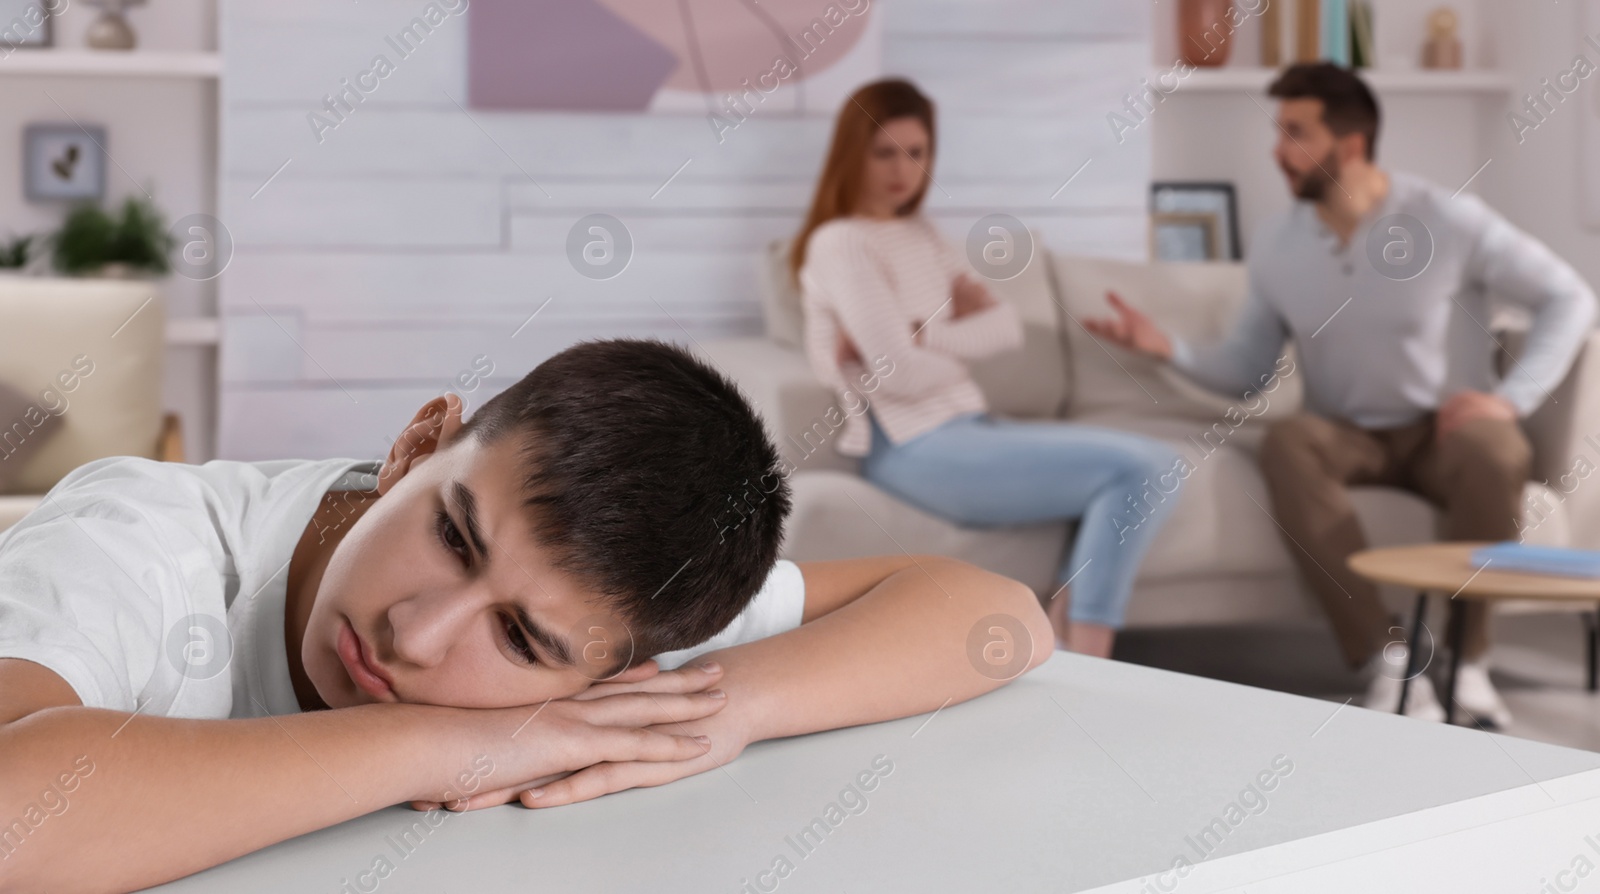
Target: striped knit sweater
(876, 282)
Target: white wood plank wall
(375, 266)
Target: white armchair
(88, 352)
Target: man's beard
(1313, 186)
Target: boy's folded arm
(163, 797)
(881, 638)
(900, 648)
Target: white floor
(1538, 663)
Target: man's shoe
(1476, 696)
(1383, 692)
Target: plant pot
(1205, 36)
(117, 270)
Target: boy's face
(432, 592)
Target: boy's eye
(517, 642)
(450, 535)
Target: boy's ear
(434, 426)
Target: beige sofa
(1221, 558)
(116, 329)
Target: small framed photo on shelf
(1174, 209)
(26, 23)
(63, 162)
(1182, 236)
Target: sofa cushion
(780, 296)
(1195, 300)
(28, 426)
(1035, 380)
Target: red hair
(839, 187)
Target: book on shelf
(1307, 31)
(1556, 560)
(1339, 31)
(1363, 53)
(1335, 37)
(1272, 35)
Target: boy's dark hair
(650, 479)
(1348, 105)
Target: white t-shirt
(159, 587)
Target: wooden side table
(1448, 568)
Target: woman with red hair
(878, 281)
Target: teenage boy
(202, 660)
(1384, 282)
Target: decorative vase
(110, 30)
(1205, 35)
(1443, 47)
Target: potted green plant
(15, 253)
(132, 242)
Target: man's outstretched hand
(1130, 329)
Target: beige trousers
(1475, 475)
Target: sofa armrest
(778, 380)
(1565, 434)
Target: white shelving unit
(1255, 80)
(192, 341)
(201, 332)
(100, 63)
(1437, 123)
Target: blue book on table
(1513, 556)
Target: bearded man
(1384, 283)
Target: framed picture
(1184, 236)
(1215, 199)
(63, 162)
(26, 23)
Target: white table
(1083, 773)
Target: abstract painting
(668, 55)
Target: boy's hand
(662, 703)
(729, 733)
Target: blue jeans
(978, 470)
